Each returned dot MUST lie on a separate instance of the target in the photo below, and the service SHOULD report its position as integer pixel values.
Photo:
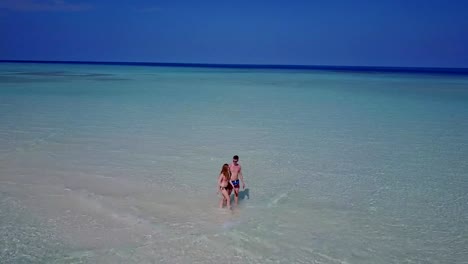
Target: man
(236, 174)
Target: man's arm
(241, 177)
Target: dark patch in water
(52, 73)
(15, 79)
(97, 75)
(110, 79)
(61, 74)
(44, 76)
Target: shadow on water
(244, 194)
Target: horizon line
(445, 70)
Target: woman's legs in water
(227, 198)
(229, 191)
(222, 199)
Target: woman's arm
(220, 179)
(230, 182)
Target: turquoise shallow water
(109, 164)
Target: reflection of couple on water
(228, 180)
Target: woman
(224, 184)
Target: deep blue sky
(421, 33)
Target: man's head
(235, 159)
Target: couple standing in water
(228, 180)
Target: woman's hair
(226, 172)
